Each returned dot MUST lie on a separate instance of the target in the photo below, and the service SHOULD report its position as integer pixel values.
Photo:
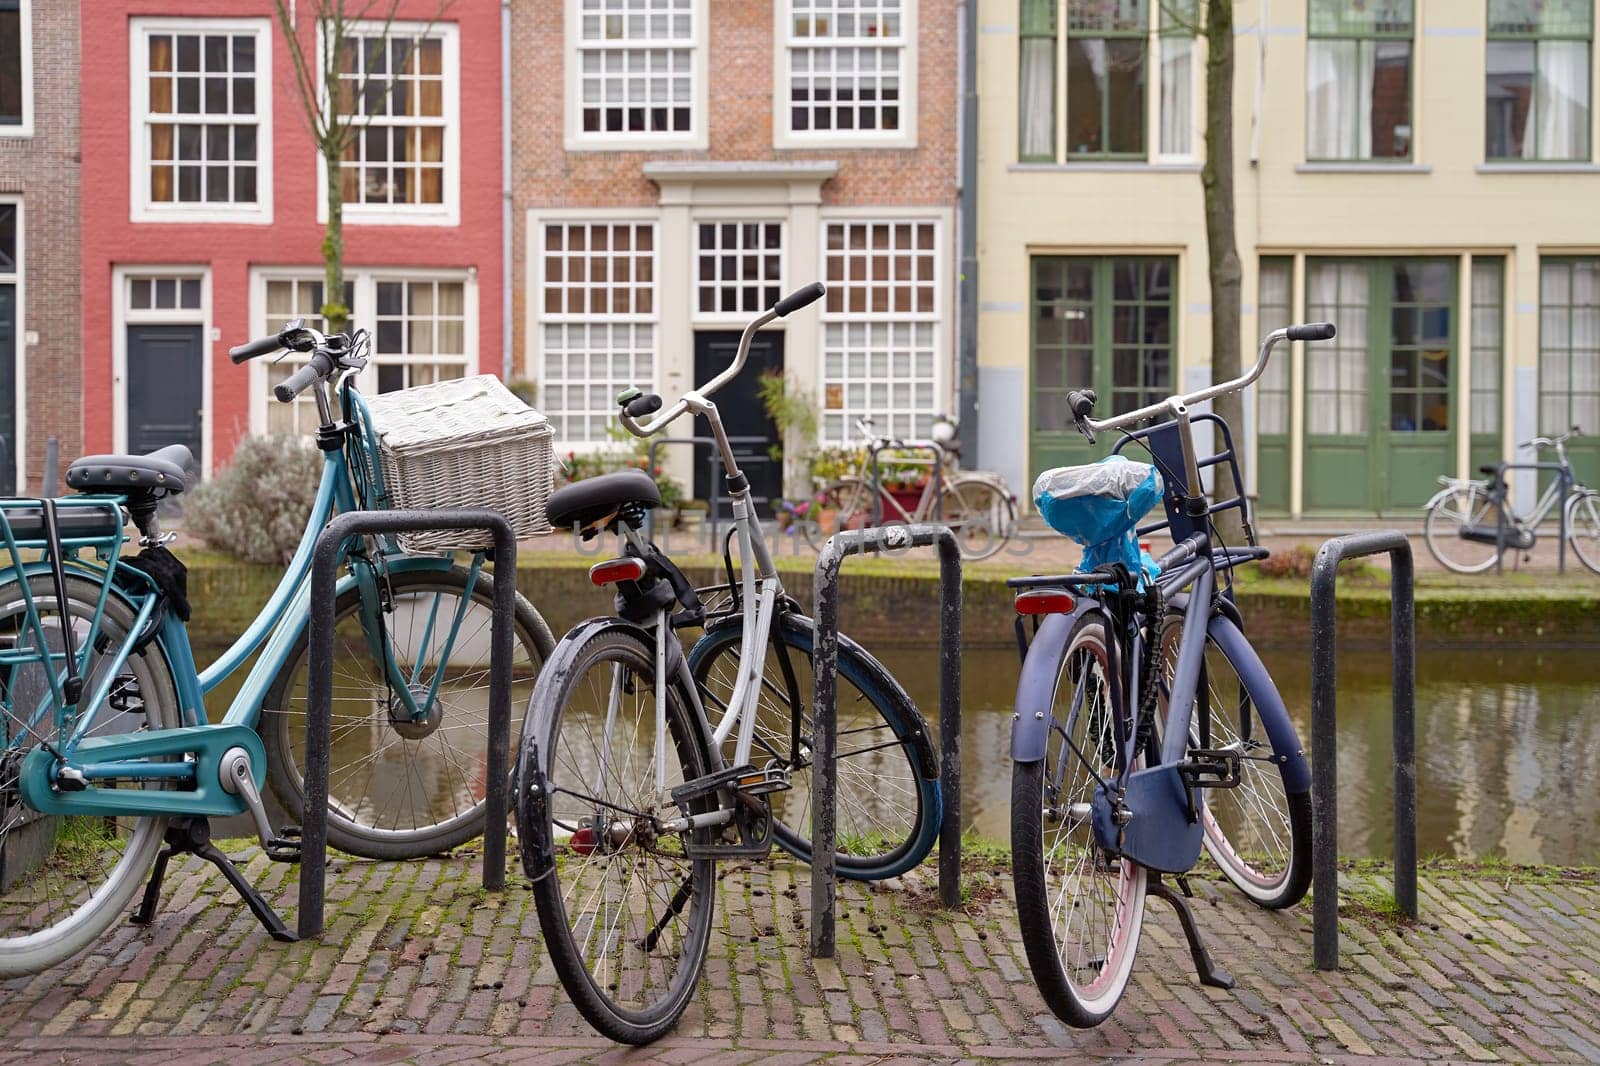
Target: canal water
(1508, 745)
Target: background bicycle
(105, 744)
(1470, 524)
(975, 504)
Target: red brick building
(206, 221)
(677, 164)
(40, 319)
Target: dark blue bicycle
(1146, 727)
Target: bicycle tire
(845, 504)
(1258, 833)
(1583, 528)
(81, 920)
(993, 530)
(545, 759)
(1072, 996)
(917, 778)
(449, 750)
(1441, 527)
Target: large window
(16, 68)
(400, 87)
(880, 332)
(634, 75)
(1569, 345)
(423, 330)
(848, 70)
(202, 95)
(1358, 80)
(1110, 103)
(1537, 85)
(597, 321)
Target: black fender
(1036, 685)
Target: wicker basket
(465, 443)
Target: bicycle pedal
(1211, 768)
(726, 778)
(280, 850)
(765, 780)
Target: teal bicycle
(106, 751)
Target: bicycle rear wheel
(1259, 833)
(399, 788)
(1583, 528)
(65, 879)
(625, 910)
(1451, 512)
(843, 505)
(980, 512)
(889, 804)
(1079, 909)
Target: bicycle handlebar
(318, 367)
(239, 353)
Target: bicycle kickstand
(192, 836)
(1209, 972)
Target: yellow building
(1420, 172)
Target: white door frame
(123, 316)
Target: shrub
(1298, 562)
(256, 509)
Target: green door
(1569, 361)
(1105, 323)
(1380, 397)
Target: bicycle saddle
(597, 499)
(166, 468)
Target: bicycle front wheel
(981, 513)
(625, 909)
(399, 787)
(65, 879)
(1079, 908)
(843, 505)
(1583, 528)
(889, 805)
(1258, 832)
(1453, 511)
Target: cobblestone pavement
(419, 964)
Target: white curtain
(1038, 91)
(1338, 100)
(1336, 373)
(1585, 412)
(1561, 102)
(1177, 95)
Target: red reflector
(614, 570)
(1144, 545)
(1044, 601)
(583, 841)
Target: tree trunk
(335, 311)
(1217, 179)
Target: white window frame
(533, 243)
(142, 208)
(25, 21)
(122, 316)
(1153, 124)
(19, 376)
(719, 318)
(364, 281)
(785, 137)
(942, 335)
(577, 139)
(447, 213)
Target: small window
(8, 238)
(848, 69)
(1037, 88)
(1275, 310)
(880, 345)
(1536, 80)
(163, 294)
(1358, 80)
(1107, 51)
(739, 266)
(15, 59)
(597, 334)
(202, 88)
(636, 77)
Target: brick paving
(418, 964)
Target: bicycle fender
(1274, 716)
(1036, 685)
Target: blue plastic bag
(1099, 506)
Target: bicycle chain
(1147, 684)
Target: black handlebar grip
(301, 379)
(642, 406)
(799, 298)
(1312, 331)
(1080, 403)
(251, 349)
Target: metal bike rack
(1502, 527)
(825, 672)
(1324, 733)
(319, 694)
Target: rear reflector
(1044, 601)
(613, 570)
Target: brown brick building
(40, 278)
(677, 164)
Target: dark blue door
(165, 387)
(8, 390)
(756, 443)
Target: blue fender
(1036, 685)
